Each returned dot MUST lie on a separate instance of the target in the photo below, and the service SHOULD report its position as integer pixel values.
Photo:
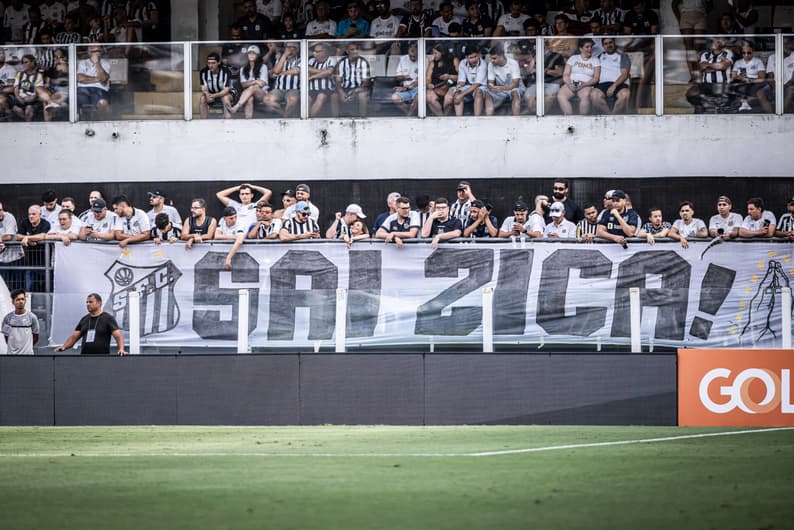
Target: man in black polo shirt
(30, 232)
(619, 222)
(95, 328)
(440, 226)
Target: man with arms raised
(246, 207)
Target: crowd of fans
(248, 214)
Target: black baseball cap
(520, 206)
(289, 193)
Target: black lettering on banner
(285, 297)
(207, 323)
(554, 286)
(671, 299)
(363, 297)
(510, 295)
(445, 263)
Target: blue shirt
(344, 25)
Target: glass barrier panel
(788, 74)
(718, 74)
(35, 83)
(130, 81)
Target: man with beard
(559, 192)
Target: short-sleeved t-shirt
(20, 330)
(393, 223)
(613, 226)
(691, 229)
(729, 224)
(442, 227)
(102, 327)
(756, 224)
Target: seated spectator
(265, 227)
(98, 222)
(402, 224)
(617, 222)
(553, 69)
(165, 230)
(56, 96)
(384, 26)
(614, 84)
(254, 26)
(767, 95)
(66, 231)
(321, 81)
(511, 23)
(440, 77)
(68, 35)
(340, 228)
(504, 82)
(216, 86)
(748, 77)
(725, 223)
(300, 226)
(785, 226)
(288, 30)
(582, 72)
(284, 99)
(407, 75)
(353, 79)
(687, 226)
(759, 222)
(476, 24)
(229, 228)
(587, 228)
(655, 227)
(27, 85)
(97, 31)
(198, 226)
(559, 227)
(417, 23)
(444, 19)
(440, 226)
(272, 9)
(472, 82)
(578, 17)
(710, 94)
(254, 82)
(354, 26)
(611, 17)
(157, 202)
(321, 27)
(93, 81)
(563, 43)
(122, 29)
(132, 224)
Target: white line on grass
(393, 455)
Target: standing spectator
(402, 224)
(33, 28)
(353, 79)
(559, 226)
(515, 225)
(560, 192)
(230, 228)
(687, 226)
(340, 228)
(27, 85)
(14, 19)
(216, 86)
(30, 232)
(93, 195)
(440, 226)
(93, 80)
(424, 207)
(288, 199)
(480, 222)
(321, 27)
(587, 228)
(20, 327)
(785, 226)
(655, 227)
(725, 223)
(759, 222)
(745, 14)
(321, 81)
(254, 82)
(53, 12)
(266, 227)
(246, 206)
(691, 16)
(476, 24)
(614, 84)
(132, 224)
(165, 230)
(582, 72)
(504, 82)
(354, 26)
(98, 223)
(301, 225)
(391, 203)
(254, 26)
(472, 82)
(563, 44)
(272, 9)
(536, 222)
(461, 208)
(198, 226)
(7, 76)
(284, 99)
(157, 202)
(96, 329)
(618, 222)
(303, 194)
(66, 230)
(407, 75)
(10, 255)
(49, 200)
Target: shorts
(549, 89)
(328, 91)
(603, 87)
(91, 95)
(407, 95)
(504, 96)
(469, 97)
(693, 20)
(280, 96)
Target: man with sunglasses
(300, 226)
(573, 212)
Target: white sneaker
(52, 105)
(745, 107)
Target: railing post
(341, 319)
(780, 79)
(635, 311)
(242, 320)
(421, 87)
(487, 320)
(785, 295)
(658, 51)
(188, 86)
(72, 83)
(135, 322)
(540, 76)
(304, 79)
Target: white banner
(554, 293)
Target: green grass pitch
(394, 478)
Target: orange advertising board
(735, 387)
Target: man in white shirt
(472, 82)
(725, 223)
(157, 202)
(230, 228)
(759, 222)
(65, 230)
(20, 327)
(559, 226)
(98, 223)
(688, 225)
(504, 82)
(321, 27)
(131, 224)
(407, 74)
(93, 80)
(246, 206)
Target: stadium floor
(396, 477)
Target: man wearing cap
(98, 223)
(230, 228)
(480, 222)
(246, 207)
(287, 199)
(131, 224)
(758, 222)
(165, 230)
(266, 227)
(461, 208)
(341, 225)
(440, 225)
(402, 224)
(725, 223)
(617, 222)
(559, 226)
(514, 225)
(157, 202)
(300, 225)
(303, 194)
(785, 226)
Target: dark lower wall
(311, 389)
(333, 196)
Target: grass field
(394, 477)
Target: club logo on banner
(159, 308)
(735, 387)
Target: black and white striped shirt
(716, 76)
(460, 210)
(291, 81)
(611, 17)
(217, 81)
(323, 83)
(262, 231)
(786, 223)
(294, 227)
(584, 227)
(353, 74)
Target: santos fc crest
(159, 310)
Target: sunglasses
(557, 188)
